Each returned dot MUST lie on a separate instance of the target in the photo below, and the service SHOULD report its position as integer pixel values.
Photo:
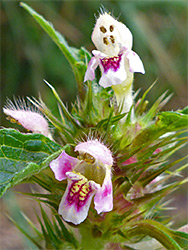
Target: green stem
(155, 230)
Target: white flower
(115, 57)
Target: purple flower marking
(111, 63)
(80, 190)
(77, 198)
(67, 162)
(113, 68)
(78, 193)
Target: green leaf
(32, 226)
(162, 192)
(55, 36)
(151, 174)
(52, 237)
(173, 120)
(113, 119)
(55, 233)
(22, 155)
(90, 112)
(75, 57)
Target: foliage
(23, 155)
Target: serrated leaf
(22, 155)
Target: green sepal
(139, 108)
(62, 105)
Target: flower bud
(23, 115)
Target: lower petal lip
(77, 198)
(113, 68)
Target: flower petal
(98, 54)
(112, 77)
(77, 198)
(63, 164)
(104, 196)
(135, 62)
(109, 35)
(90, 72)
(98, 150)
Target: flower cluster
(115, 58)
(89, 175)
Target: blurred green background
(28, 55)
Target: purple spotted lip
(87, 178)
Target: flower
(113, 68)
(27, 117)
(88, 175)
(114, 42)
(115, 57)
